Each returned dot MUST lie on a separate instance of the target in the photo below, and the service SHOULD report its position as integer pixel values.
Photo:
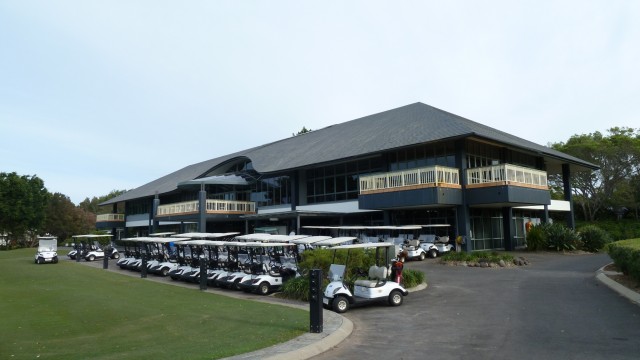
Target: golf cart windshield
(47, 245)
(336, 272)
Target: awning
(230, 179)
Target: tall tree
(91, 205)
(617, 154)
(64, 219)
(23, 200)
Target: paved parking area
(552, 309)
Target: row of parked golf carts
(88, 247)
(259, 263)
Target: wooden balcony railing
(212, 207)
(410, 179)
(109, 217)
(506, 174)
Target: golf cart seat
(412, 244)
(443, 239)
(377, 276)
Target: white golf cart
(47, 250)
(272, 264)
(95, 251)
(436, 243)
(376, 288)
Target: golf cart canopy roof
(202, 242)
(47, 237)
(267, 244)
(92, 236)
(358, 227)
(363, 246)
(287, 238)
(334, 241)
(310, 240)
(168, 240)
(196, 235)
(253, 237)
(435, 225)
(162, 234)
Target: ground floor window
(486, 229)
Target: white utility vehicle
(95, 251)
(376, 288)
(47, 250)
(437, 243)
(272, 264)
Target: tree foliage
(64, 219)
(23, 200)
(304, 130)
(91, 205)
(614, 186)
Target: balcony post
(566, 181)
(156, 223)
(508, 228)
(202, 210)
(463, 224)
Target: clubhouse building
(412, 165)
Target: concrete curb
(603, 277)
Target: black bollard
(203, 273)
(315, 301)
(105, 259)
(143, 269)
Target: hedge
(626, 257)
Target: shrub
(536, 238)
(593, 238)
(626, 256)
(297, 288)
(412, 278)
(561, 238)
(476, 256)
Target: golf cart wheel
(91, 258)
(395, 298)
(340, 304)
(433, 253)
(422, 256)
(164, 272)
(116, 256)
(236, 285)
(55, 260)
(263, 288)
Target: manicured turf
(71, 311)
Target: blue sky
(96, 96)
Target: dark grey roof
(405, 126)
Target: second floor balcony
(212, 207)
(506, 174)
(432, 176)
(109, 217)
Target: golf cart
(47, 250)
(377, 288)
(165, 261)
(437, 243)
(95, 251)
(272, 264)
(238, 259)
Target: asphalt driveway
(553, 308)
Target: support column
(202, 210)
(156, 223)
(508, 228)
(463, 222)
(566, 182)
(545, 219)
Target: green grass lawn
(72, 311)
